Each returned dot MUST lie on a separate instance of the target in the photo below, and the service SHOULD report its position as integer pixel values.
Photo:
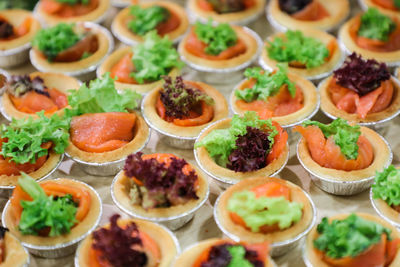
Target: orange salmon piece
(32, 102)
(123, 69)
(315, 141)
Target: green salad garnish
(375, 25)
(101, 96)
(220, 143)
(344, 135)
(397, 3)
(52, 41)
(146, 19)
(18, 4)
(267, 84)
(295, 47)
(260, 211)
(25, 137)
(348, 237)
(238, 254)
(44, 211)
(387, 186)
(154, 58)
(218, 38)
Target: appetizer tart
(237, 148)
(52, 12)
(310, 53)
(180, 109)
(384, 195)
(220, 48)
(317, 14)
(224, 252)
(265, 209)
(33, 146)
(72, 49)
(160, 188)
(240, 12)
(352, 240)
(141, 67)
(13, 254)
(361, 91)
(341, 159)
(286, 97)
(50, 218)
(387, 7)
(373, 35)
(128, 242)
(27, 94)
(104, 129)
(18, 27)
(167, 18)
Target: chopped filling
(160, 180)
(6, 29)
(387, 187)
(293, 6)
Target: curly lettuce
(146, 19)
(375, 25)
(387, 186)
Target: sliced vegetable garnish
(26, 136)
(348, 237)
(220, 143)
(102, 96)
(21, 84)
(344, 135)
(146, 19)
(293, 6)
(120, 246)
(218, 38)
(179, 98)
(154, 58)
(55, 213)
(267, 84)
(375, 25)
(295, 47)
(361, 76)
(52, 41)
(387, 186)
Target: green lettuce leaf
(18, 4)
(220, 143)
(267, 84)
(25, 137)
(387, 186)
(295, 47)
(348, 237)
(154, 58)
(397, 3)
(238, 254)
(375, 25)
(218, 38)
(344, 135)
(146, 19)
(101, 96)
(45, 211)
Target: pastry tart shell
(384, 210)
(15, 254)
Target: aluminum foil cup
(59, 250)
(227, 75)
(380, 213)
(277, 248)
(121, 3)
(14, 57)
(7, 76)
(90, 72)
(173, 222)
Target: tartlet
(58, 246)
(15, 51)
(240, 17)
(315, 73)
(125, 35)
(61, 82)
(97, 15)
(281, 21)
(365, 4)
(312, 259)
(84, 68)
(281, 241)
(165, 239)
(182, 136)
(14, 254)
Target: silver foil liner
(90, 72)
(277, 248)
(120, 3)
(7, 75)
(173, 222)
(226, 75)
(341, 188)
(59, 250)
(383, 216)
(14, 57)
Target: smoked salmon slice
(311, 12)
(102, 132)
(66, 10)
(123, 69)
